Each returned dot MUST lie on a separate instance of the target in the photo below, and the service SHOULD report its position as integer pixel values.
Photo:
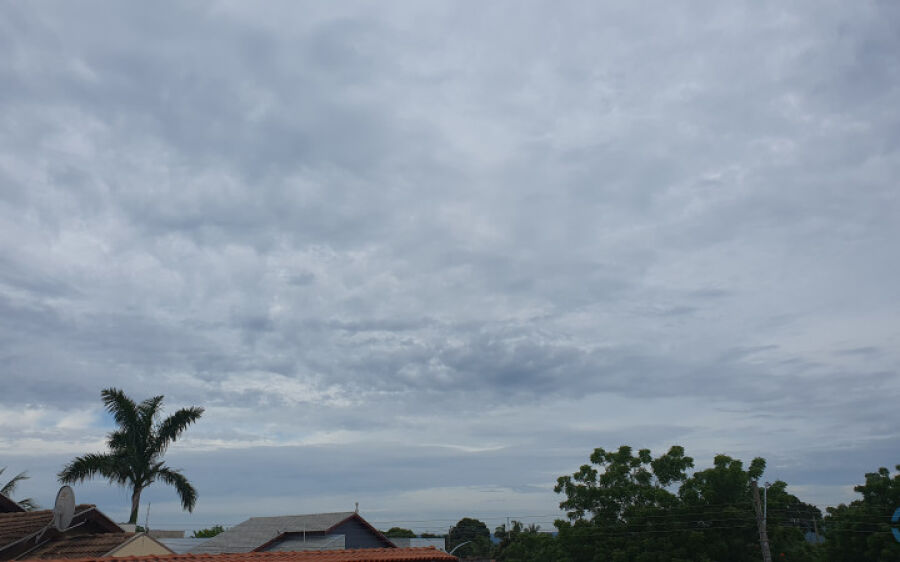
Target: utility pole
(761, 524)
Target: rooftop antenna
(63, 508)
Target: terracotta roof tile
(15, 526)
(81, 546)
(426, 554)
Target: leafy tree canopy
(862, 530)
(633, 506)
(473, 531)
(209, 532)
(622, 483)
(518, 541)
(399, 533)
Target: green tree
(532, 547)
(614, 506)
(721, 498)
(719, 517)
(209, 532)
(399, 533)
(789, 520)
(10, 487)
(473, 531)
(136, 448)
(524, 543)
(626, 507)
(861, 531)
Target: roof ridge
(303, 514)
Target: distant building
(165, 534)
(436, 542)
(319, 531)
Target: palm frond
(10, 487)
(150, 407)
(147, 412)
(186, 492)
(28, 504)
(80, 469)
(172, 427)
(120, 406)
(118, 441)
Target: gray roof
(312, 542)
(256, 531)
(181, 545)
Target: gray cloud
(467, 244)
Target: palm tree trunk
(135, 504)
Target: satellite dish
(64, 508)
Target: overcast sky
(426, 256)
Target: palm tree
(10, 487)
(135, 449)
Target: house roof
(310, 542)
(183, 545)
(427, 554)
(259, 531)
(17, 525)
(81, 546)
(20, 524)
(9, 505)
(19, 532)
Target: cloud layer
(428, 257)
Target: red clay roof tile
(80, 546)
(18, 525)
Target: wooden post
(761, 524)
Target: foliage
(522, 543)
(622, 498)
(861, 531)
(9, 488)
(209, 532)
(532, 547)
(788, 522)
(475, 532)
(136, 448)
(399, 533)
(624, 484)
(633, 507)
